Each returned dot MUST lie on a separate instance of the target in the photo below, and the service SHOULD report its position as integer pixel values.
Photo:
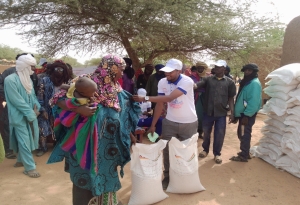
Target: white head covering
(23, 67)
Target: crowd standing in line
(183, 104)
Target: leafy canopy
(145, 29)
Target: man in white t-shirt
(181, 120)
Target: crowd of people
(92, 119)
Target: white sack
(286, 73)
(279, 88)
(146, 173)
(270, 128)
(184, 176)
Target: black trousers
(81, 196)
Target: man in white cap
(22, 113)
(219, 92)
(181, 121)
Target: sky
(287, 10)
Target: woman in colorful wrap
(116, 120)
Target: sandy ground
(230, 183)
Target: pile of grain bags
(280, 144)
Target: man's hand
(138, 98)
(45, 115)
(232, 119)
(65, 87)
(151, 130)
(36, 110)
(86, 110)
(244, 120)
(133, 139)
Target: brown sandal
(32, 173)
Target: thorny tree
(145, 29)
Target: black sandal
(240, 154)
(238, 159)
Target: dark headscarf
(159, 76)
(247, 79)
(58, 80)
(129, 71)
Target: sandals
(238, 159)
(203, 154)
(249, 156)
(218, 159)
(10, 156)
(32, 173)
(18, 164)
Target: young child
(146, 115)
(81, 136)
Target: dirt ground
(231, 183)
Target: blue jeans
(219, 124)
(244, 135)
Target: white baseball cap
(221, 63)
(42, 61)
(142, 92)
(172, 64)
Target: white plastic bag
(184, 176)
(146, 173)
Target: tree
(264, 52)
(145, 29)
(93, 61)
(72, 61)
(9, 53)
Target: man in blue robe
(23, 109)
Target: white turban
(23, 67)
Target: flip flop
(238, 159)
(18, 164)
(10, 156)
(32, 173)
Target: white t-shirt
(181, 109)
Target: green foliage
(93, 61)
(265, 44)
(9, 53)
(72, 61)
(145, 29)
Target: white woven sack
(275, 123)
(280, 82)
(286, 73)
(184, 176)
(294, 111)
(278, 94)
(279, 118)
(146, 173)
(279, 88)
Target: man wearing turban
(22, 113)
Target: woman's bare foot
(32, 173)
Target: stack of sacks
(280, 145)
